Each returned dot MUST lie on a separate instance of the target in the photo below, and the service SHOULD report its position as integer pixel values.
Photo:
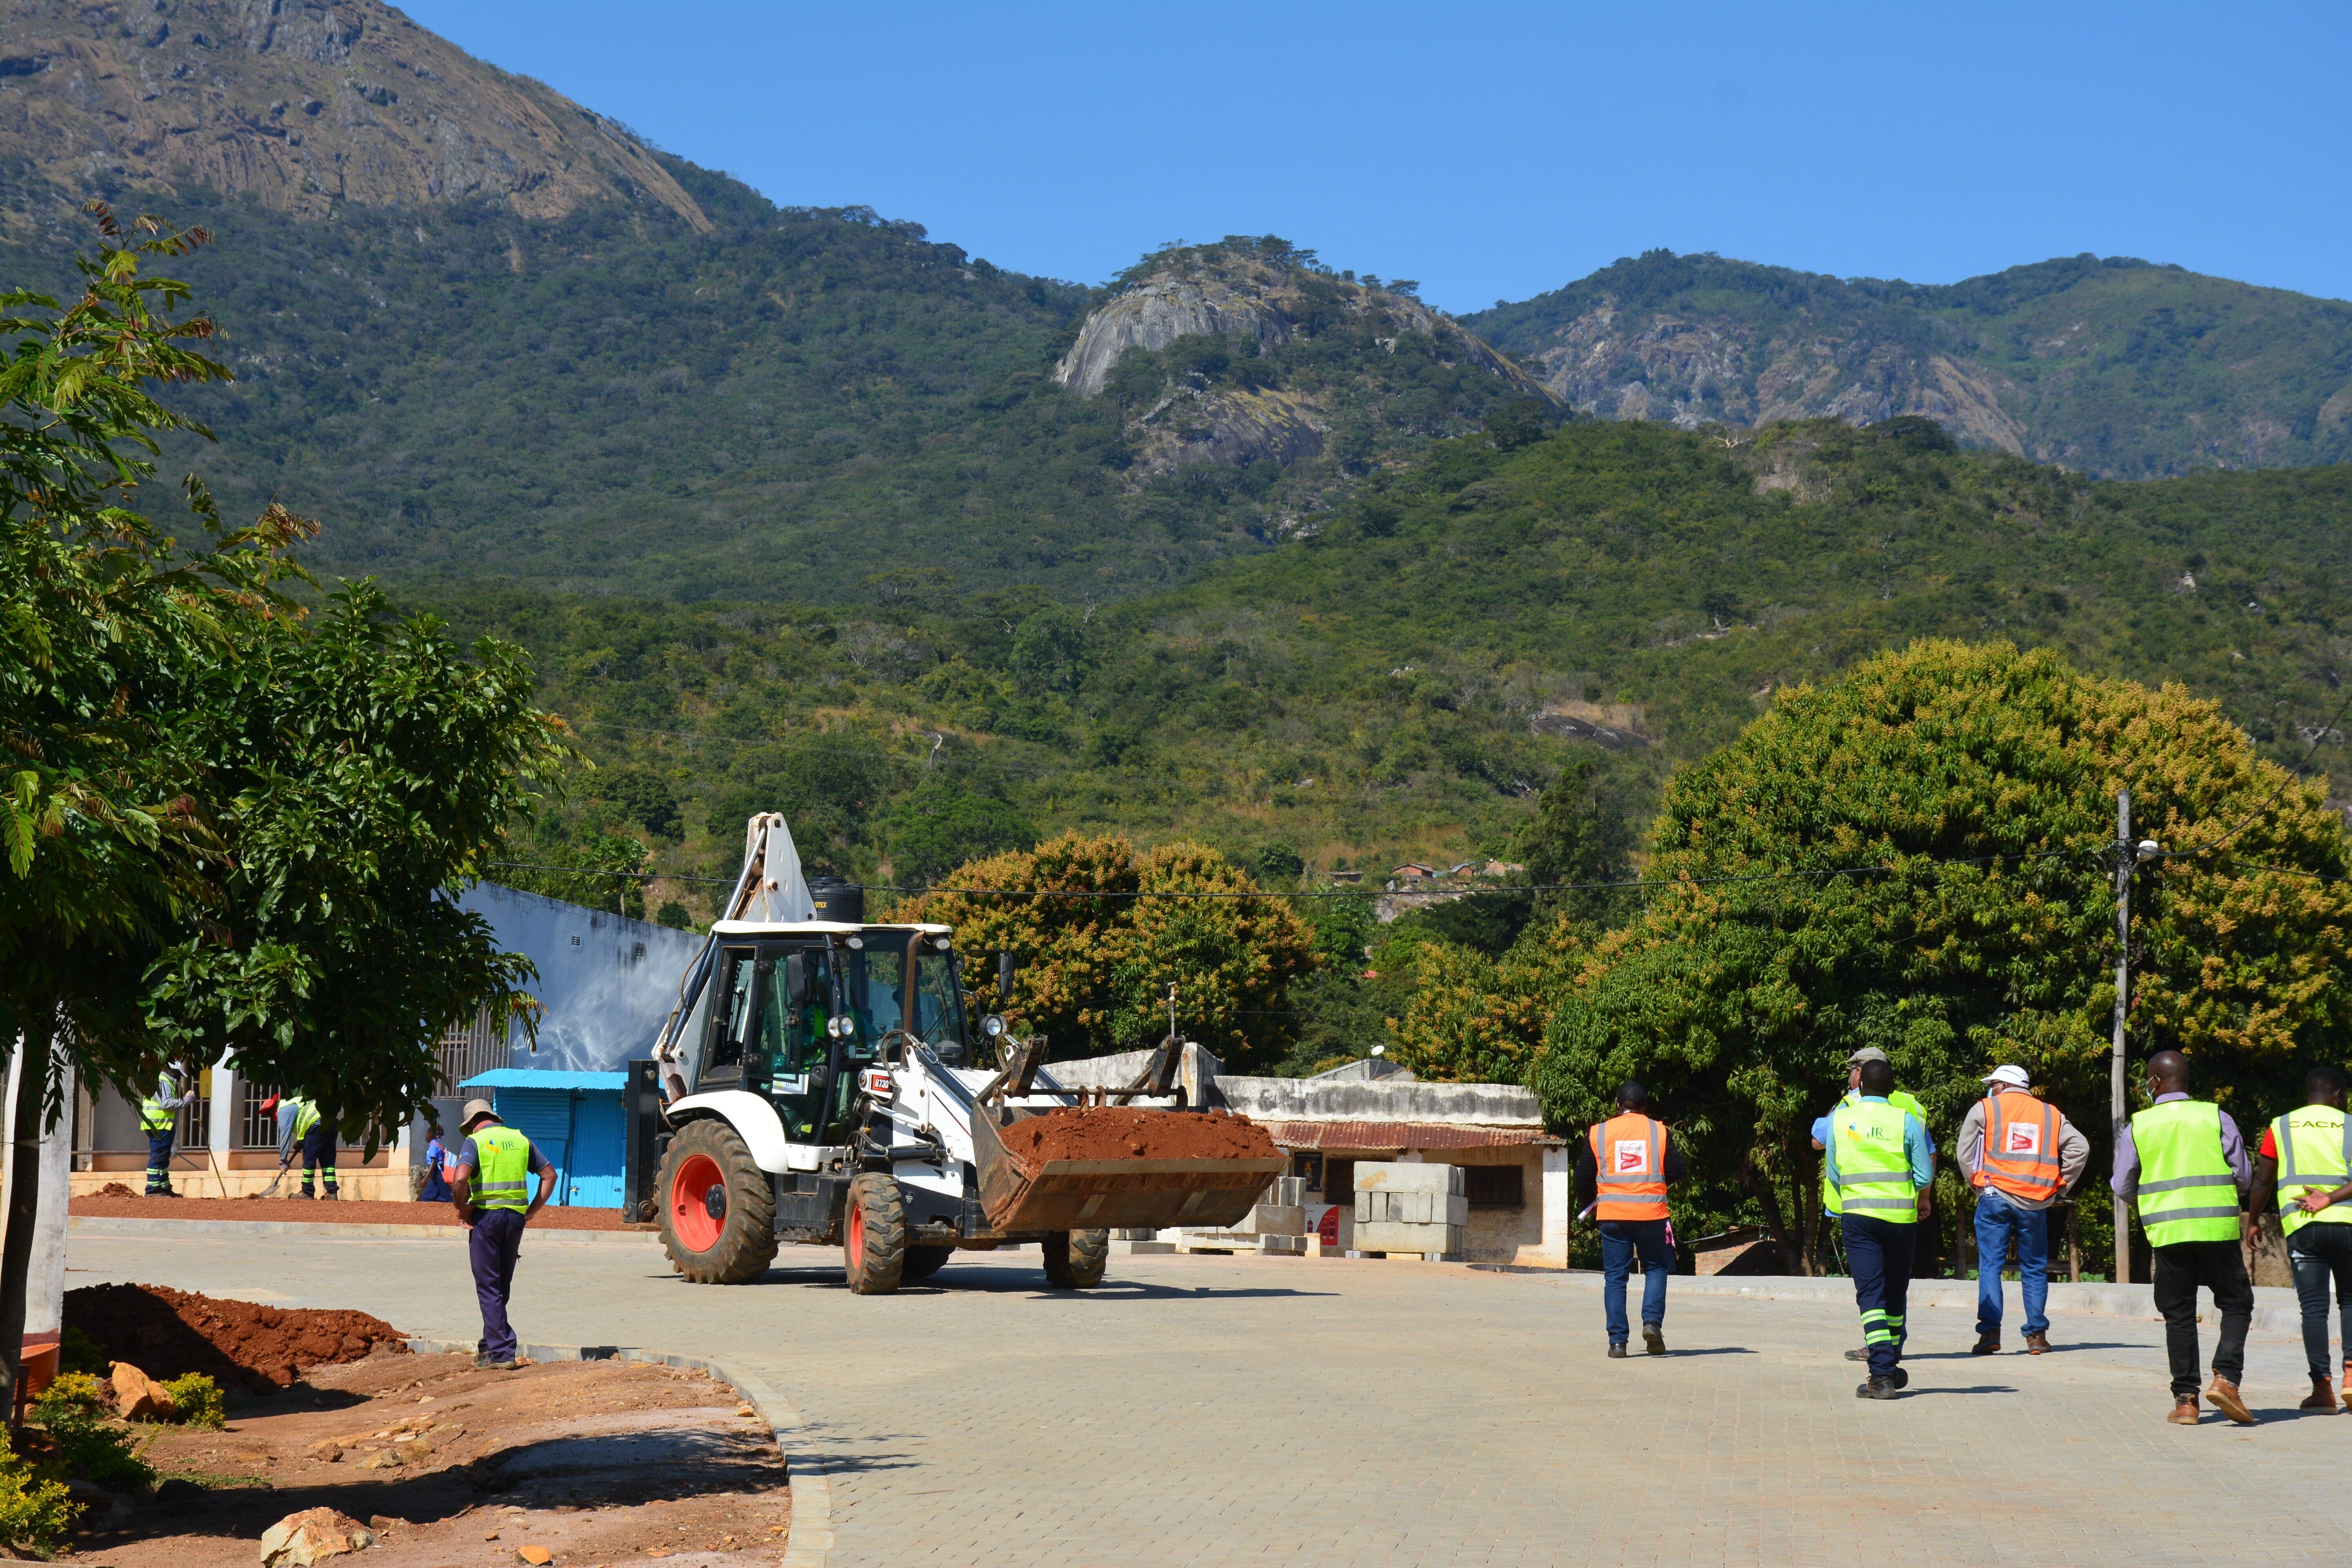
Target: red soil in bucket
(165, 1333)
(1125, 1133)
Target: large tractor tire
(717, 1208)
(1075, 1259)
(874, 1234)
(922, 1262)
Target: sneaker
(1878, 1388)
(1990, 1344)
(1654, 1339)
(1616, 1350)
(2225, 1396)
(2184, 1410)
(2037, 1344)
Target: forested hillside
(2111, 367)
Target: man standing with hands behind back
(490, 1183)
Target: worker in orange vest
(2021, 1155)
(1620, 1175)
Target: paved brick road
(1207, 1410)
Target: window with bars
(1496, 1186)
(257, 1129)
(469, 1049)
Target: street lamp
(2128, 855)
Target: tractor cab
(798, 1008)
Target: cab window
(737, 998)
(874, 977)
(792, 1035)
(939, 999)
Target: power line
(2317, 741)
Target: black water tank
(838, 898)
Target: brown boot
(2184, 1410)
(2225, 1396)
(2037, 1344)
(2348, 1388)
(2323, 1396)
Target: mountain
(2114, 367)
(303, 106)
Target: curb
(112, 1225)
(809, 1538)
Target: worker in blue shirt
(1882, 1168)
(436, 1189)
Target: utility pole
(2125, 856)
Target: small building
(1414, 871)
(574, 1119)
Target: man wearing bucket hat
(2020, 1156)
(489, 1180)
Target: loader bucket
(1110, 1195)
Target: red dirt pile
(166, 1333)
(1125, 1133)
(344, 1211)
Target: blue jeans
(493, 1244)
(1879, 1253)
(1620, 1240)
(1998, 1219)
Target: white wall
(607, 982)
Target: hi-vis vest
(154, 1116)
(2187, 1192)
(1629, 1158)
(1873, 1162)
(503, 1179)
(1900, 1102)
(2020, 1146)
(306, 1116)
(2314, 1155)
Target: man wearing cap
(2020, 1155)
(1898, 1099)
(489, 1181)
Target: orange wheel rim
(690, 1191)
(856, 1239)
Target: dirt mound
(1124, 1132)
(116, 1190)
(127, 1205)
(166, 1333)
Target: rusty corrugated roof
(1401, 1135)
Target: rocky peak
(300, 104)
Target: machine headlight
(857, 942)
(992, 1026)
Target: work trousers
(1998, 1221)
(494, 1244)
(2221, 1268)
(318, 1150)
(1621, 1239)
(159, 1160)
(2320, 1253)
(1878, 1253)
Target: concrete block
(1132, 1249)
(1266, 1219)
(1282, 1246)
(1457, 1210)
(1406, 1238)
(1396, 1176)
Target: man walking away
(2021, 1155)
(1900, 1100)
(1622, 1174)
(1880, 1165)
(490, 1180)
(2306, 1158)
(2183, 1161)
(159, 1118)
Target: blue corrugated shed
(576, 1121)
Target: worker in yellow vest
(2306, 1158)
(2182, 1162)
(1622, 1173)
(2021, 1155)
(159, 1118)
(490, 1180)
(1898, 1099)
(1880, 1164)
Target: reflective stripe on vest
(2020, 1145)
(1629, 1163)
(1873, 1161)
(2186, 1190)
(306, 1116)
(2314, 1155)
(1900, 1102)
(153, 1117)
(502, 1180)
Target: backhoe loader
(822, 1080)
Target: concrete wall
(1326, 1099)
(607, 982)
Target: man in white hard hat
(2020, 1156)
(489, 1180)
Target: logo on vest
(1632, 1156)
(2022, 1137)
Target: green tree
(1912, 859)
(940, 827)
(1578, 834)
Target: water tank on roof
(838, 898)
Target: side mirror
(1004, 975)
(796, 978)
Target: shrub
(72, 1411)
(34, 1509)
(197, 1401)
(71, 1393)
(77, 1351)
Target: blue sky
(1496, 151)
